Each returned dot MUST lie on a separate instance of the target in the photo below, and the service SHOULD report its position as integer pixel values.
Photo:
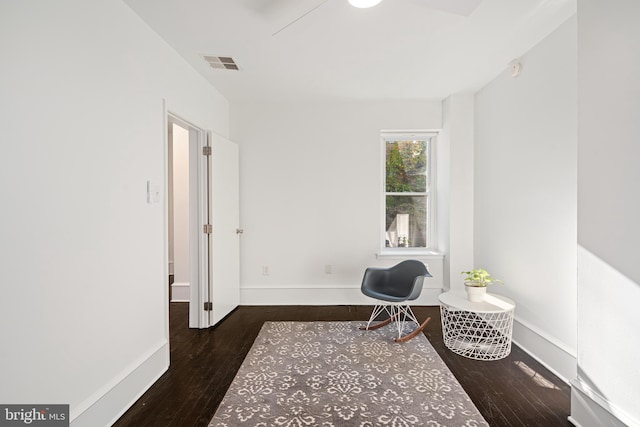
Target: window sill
(409, 254)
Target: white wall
(525, 195)
(310, 195)
(455, 188)
(606, 391)
(76, 232)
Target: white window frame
(431, 137)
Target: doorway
(178, 194)
(188, 211)
(212, 190)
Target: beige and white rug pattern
(332, 374)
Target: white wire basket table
(477, 330)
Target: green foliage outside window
(406, 165)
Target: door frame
(199, 210)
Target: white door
(225, 236)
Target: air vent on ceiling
(221, 62)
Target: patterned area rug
(332, 374)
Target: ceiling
(399, 49)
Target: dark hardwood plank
(515, 391)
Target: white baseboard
(112, 400)
(590, 409)
(552, 354)
(180, 292)
(318, 295)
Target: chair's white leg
(399, 314)
(399, 318)
(403, 314)
(379, 308)
(412, 316)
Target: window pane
(406, 221)
(406, 166)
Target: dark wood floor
(515, 391)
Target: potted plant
(476, 282)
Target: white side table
(478, 330)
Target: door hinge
(239, 230)
(207, 229)
(208, 306)
(206, 150)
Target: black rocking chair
(394, 287)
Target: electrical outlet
(265, 270)
(328, 269)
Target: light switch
(153, 192)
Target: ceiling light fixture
(364, 3)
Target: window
(408, 190)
